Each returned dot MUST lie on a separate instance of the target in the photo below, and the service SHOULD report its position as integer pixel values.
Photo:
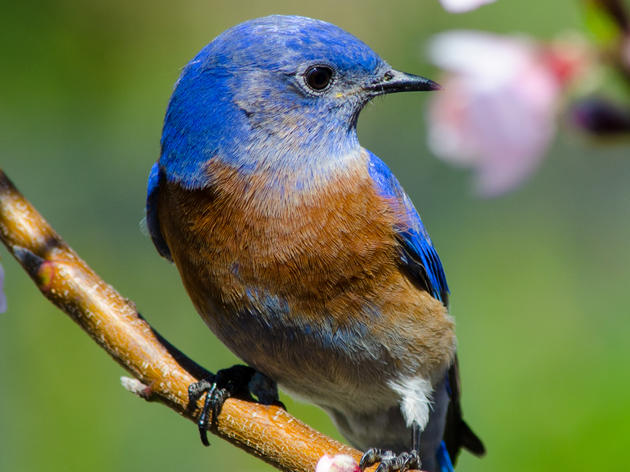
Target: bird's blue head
(279, 94)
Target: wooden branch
(163, 372)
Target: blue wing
(444, 459)
(418, 255)
(153, 224)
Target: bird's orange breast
(330, 256)
(312, 249)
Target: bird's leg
(415, 440)
(237, 381)
(265, 390)
(392, 462)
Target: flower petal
(497, 110)
(338, 463)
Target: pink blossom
(462, 6)
(499, 104)
(338, 463)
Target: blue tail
(444, 460)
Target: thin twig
(163, 373)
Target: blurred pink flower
(499, 103)
(3, 298)
(462, 6)
(338, 463)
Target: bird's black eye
(318, 77)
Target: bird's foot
(390, 461)
(238, 381)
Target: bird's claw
(237, 381)
(225, 384)
(390, 461)
(214, 400)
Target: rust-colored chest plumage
(309, 249)
(274, 272)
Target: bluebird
(299, 248)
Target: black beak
(394, 81)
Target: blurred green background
(540, 278)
